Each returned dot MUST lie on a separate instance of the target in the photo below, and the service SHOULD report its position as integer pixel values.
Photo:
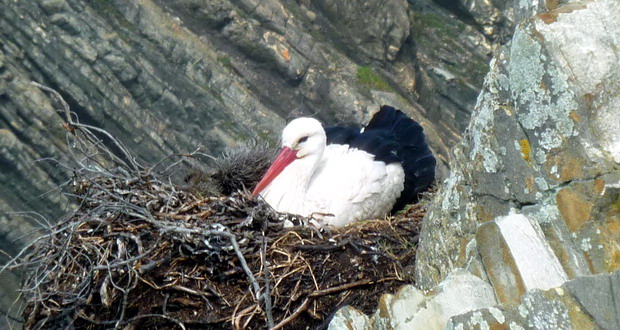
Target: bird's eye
(303, 139)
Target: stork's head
(301, 138)
(305, 136)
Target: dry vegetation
(143, 252)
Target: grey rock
(350, 318)
(587, 302)
(379, 35)
(53, 6)
(495, 18)
(535, 146)
(411, 308)
(517, 258)
(442, 45)
(598, 295)
(67, 22)
(537, 310)
(463, 301)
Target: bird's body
(348, 175)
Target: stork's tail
(415, 156)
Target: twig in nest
(249, 312)
(171, 319)
(234, 318)
(244, 264)
(290, 318)
(202, 294)
(316, 283)
(233, 241)
(347, 286)
(267, 293)
(76, 125)
(324, 247)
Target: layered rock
(541, 143)
(410, 308)
(464, 301)
(587, 302)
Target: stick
(267, 293)
(73, 124)
(339, 288)
(347, 286)
(301, 308)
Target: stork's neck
(287, 192)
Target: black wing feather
(393, 137)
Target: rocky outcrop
(410, 308)
(587, 302)
(531, 205)
(381, 40)
(543, 144)
(464, 301)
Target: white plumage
(334, 183)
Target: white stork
(340, 175)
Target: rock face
(586, 302)
(171, 76)
(464, 301)
(532, 203)
(380, 40)
(542, 143)
(410, 308)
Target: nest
(143, 252)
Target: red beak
(285, 157)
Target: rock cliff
(543, 143)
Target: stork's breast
(353, 186)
